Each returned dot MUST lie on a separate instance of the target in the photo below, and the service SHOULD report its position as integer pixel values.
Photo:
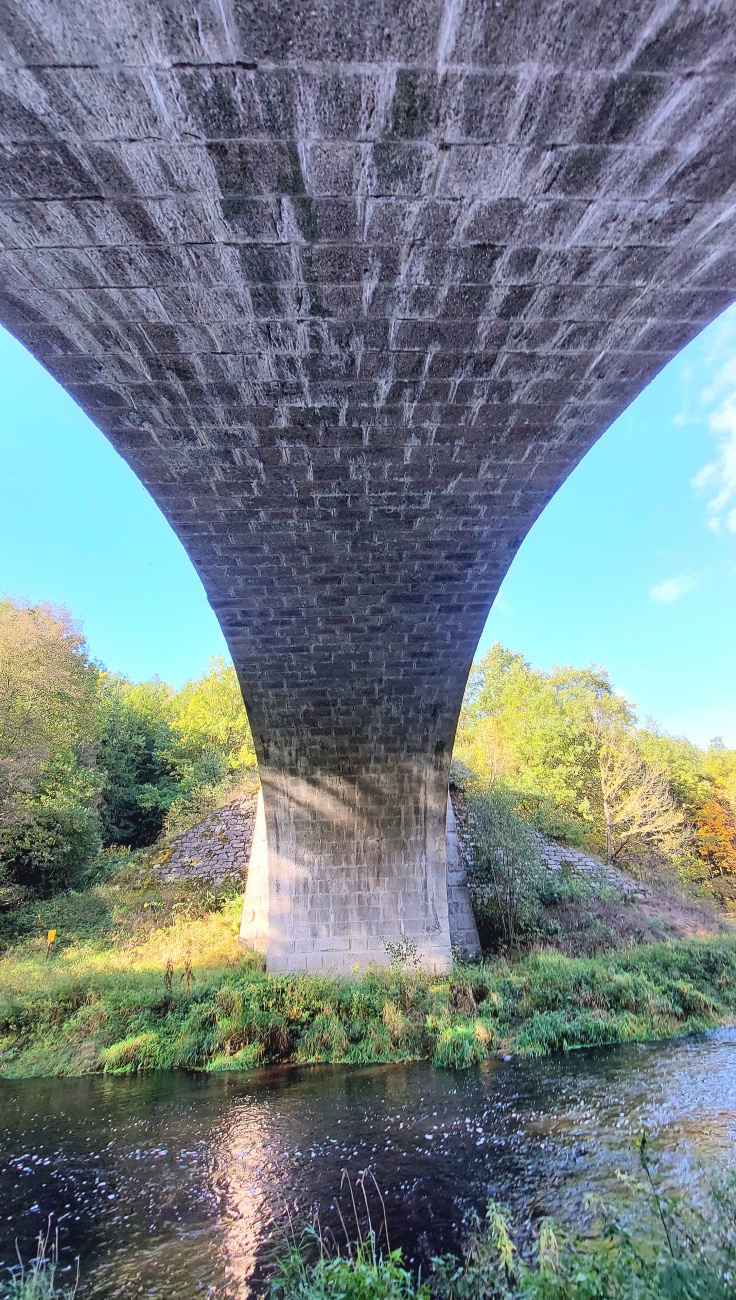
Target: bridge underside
(353, 289)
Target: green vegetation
(89, 761)
(679, 1251)
(39, 1279)
(521, 904)
(146, 975)
(566, 749)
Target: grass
(39, 1279)
(688, 1254)
(148, 976)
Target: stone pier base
(337, 920)
(254, 922)
(463, 930)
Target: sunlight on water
(170, 1184)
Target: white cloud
(718, 397)
(719, 475)
(673, 588)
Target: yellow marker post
(49, 940)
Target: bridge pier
(352, 299)
(341, 869)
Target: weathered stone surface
(217, 849)
(258, 931)
(463, 930)
(557, 857)
(352, 290)
(254, 928)
(554, 856)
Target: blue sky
(632, 565)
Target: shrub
(48, 847)
(507, 872)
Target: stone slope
(216, 849)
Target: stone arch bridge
(353, 287)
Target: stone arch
(353, 292)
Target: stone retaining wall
(556, 857)
(219, 849)
(216, 849)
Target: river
(176, 1185)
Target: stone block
(352, 293)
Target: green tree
(683, 764)
(210, 719)
(136, 744)
(213, 746)
(542, 733)
(568, 747)
(169, 757)
(49, 785)
(55, 832)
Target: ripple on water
(168, 1184)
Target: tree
(46, 691)
(683, 764)
(136, 744)
(87, 756)
(48, 843)
(716, 836)
(210, 719)
(170, 757)
(213, 743)
(568, 746)
(538, 731)
(639, 811)
(49, 785)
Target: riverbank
(144, 976)
(675, 1249)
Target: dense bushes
(134, 743)
(49, 848)
(90, 759)
(505, 880)
(48, 783)
(511, 889)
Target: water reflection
(169, 1185)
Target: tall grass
(38, 1280)
(79, 1018)
(147, 976)
(316, 1268)
(678, 1251)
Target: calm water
(169, 1185)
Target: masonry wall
(218, 848)
(353, 289)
